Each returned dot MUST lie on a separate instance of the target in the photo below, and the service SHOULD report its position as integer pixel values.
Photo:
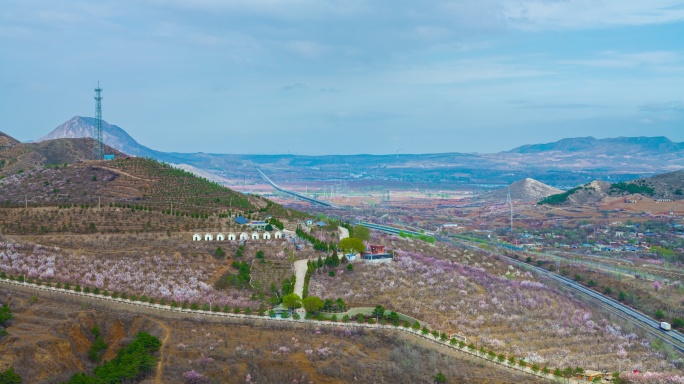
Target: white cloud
(579, 14)
(669, 62)
(466, 70)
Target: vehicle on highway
(665, 326)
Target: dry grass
(58, 332)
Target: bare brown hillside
(135, 183)
(16, 157)
(48, 337)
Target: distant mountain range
(566, 162)
(613, 146)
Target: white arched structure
(196, 237)
(278, 235)
(208, 237)
(220, 237)
(255, 235)
(244, 236)
(231, 237)
(267, 236)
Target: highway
(392, 230)
(674, 338)
(295, 194)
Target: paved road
(295, 194)
(344, 233)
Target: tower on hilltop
(98, 151)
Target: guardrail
(166, 308)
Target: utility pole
(510, 203)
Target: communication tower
(98, 151)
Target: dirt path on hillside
(160, 364)
(344, 232)
(301, 266)
(123, 173)
(300, 273)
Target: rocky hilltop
(112, 135)
(664, 186)
(524, 190)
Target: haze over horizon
(346, 77)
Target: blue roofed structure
(241, 220)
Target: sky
(344, 77)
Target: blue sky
(322, 77)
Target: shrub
(10, 377)
(5, 314)
(678, 322)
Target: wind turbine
(398, 151)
